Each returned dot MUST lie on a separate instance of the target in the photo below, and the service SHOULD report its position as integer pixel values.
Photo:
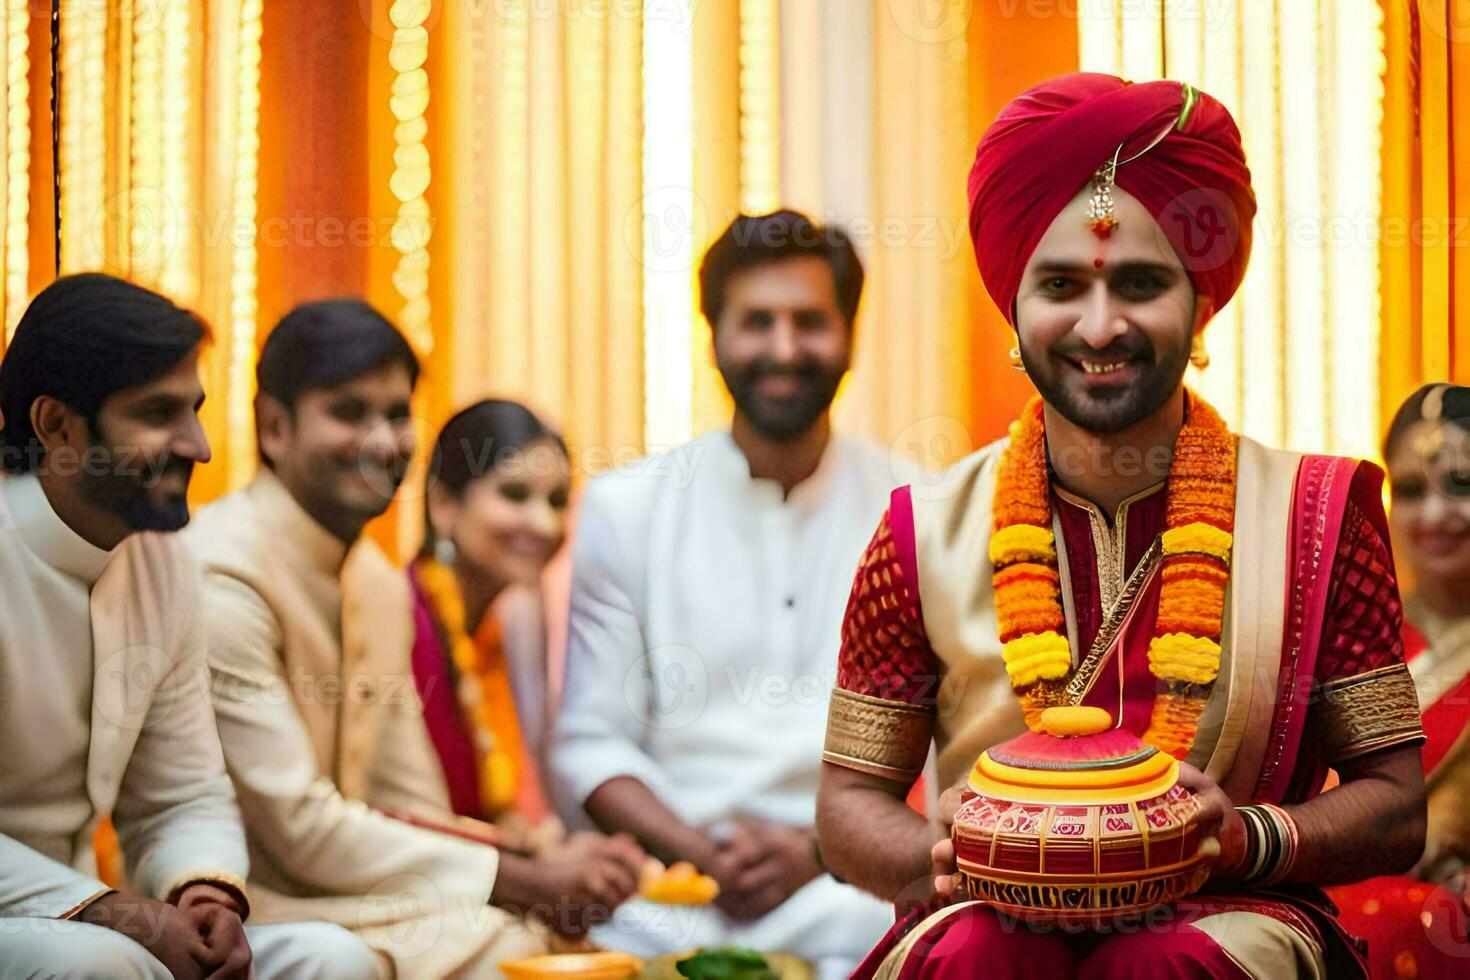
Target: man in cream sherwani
(310, 635)
(104, 706)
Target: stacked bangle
(1272, 843)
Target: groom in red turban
(1170, 146)
(1124, 558)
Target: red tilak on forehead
(1097, 263)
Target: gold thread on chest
(1085, 675)
(1118, 588)
(1110, 546)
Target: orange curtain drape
(1426, 197)
(1008, 54)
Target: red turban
(1049, 141)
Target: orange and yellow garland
(485, 691)
(1184, 653)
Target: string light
(83, 136)
(178, 278)
(143, 227)
(17, 161)
(243, 275)
(666, 232)
(760, 116)
(410, 180)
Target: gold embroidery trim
(1110, 544)
(877, 736)
(81, 906)
(1368, 712)
(1087, 671)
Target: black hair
(82, 339)
(1453, 409)
(474, 440)
(326, 343)
(765, 239)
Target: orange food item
(583, 966)
(680, 884)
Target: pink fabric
(452, 740)
(1445, 719)
(1180, 952)
(885, 649)
(901, 526)
(1414, 928)
(980, 943)
(1318, 504)
(1046, 144)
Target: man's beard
(785, 418)
(1106, 410)
(124, 488)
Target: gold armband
(1368, 712)
(873, 735)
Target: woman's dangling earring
(1198, 356)
(444, 550)
(1016, 363)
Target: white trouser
(41, 949)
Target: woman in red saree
(494, 517)
(1415, 925)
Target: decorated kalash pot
(1078, 823)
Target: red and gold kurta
(1313, 671)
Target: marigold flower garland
(1184, 653)
(485, 692)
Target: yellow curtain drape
(157, 154)
(880, 107)
(1426, 197)
(15, 175)
(911, 383)
(1291, 351)
(557, 153)
(535, 146)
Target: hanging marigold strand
(484, 690)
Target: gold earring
(1015, 356)
(1198, 356)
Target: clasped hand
(759, 865)
(200, 937)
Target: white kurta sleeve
(601, 730)
(293, 812)
(175, 814)
(34, 886)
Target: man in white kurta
(706, 607)
(104, 707)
